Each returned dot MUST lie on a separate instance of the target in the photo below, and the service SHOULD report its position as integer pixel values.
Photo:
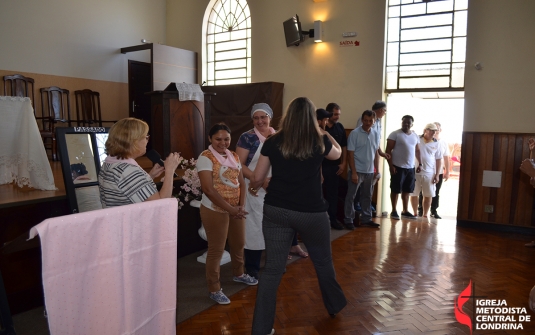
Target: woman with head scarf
(248, 149)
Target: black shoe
(408, 215)
(370, 224)
(436, 216)
(252, 274)
(350, 226)
(337, 225)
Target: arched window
(227, 43)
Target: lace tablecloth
(189, 92)
(22, 155)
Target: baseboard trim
(496, 227)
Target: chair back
(19, 86)
(55, 107)
(88, 111)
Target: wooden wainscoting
(514, 201)
(113, 95)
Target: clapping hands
(528, 167)
(531, 143)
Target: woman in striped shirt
(121, 180)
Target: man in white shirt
(444, 174)
(402, 145)
(430, 168)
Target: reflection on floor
(400, 279)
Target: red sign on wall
(349, 43)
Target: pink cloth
(261, 137)
(228, 162)
(111, 271)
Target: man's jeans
(365, 185)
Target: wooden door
(139, 83)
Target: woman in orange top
(222, 209)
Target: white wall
(82, 39)
(324, 72)
(77, 38)
(501, 35)
(184, 25)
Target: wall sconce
(318, 31)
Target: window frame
(225, 22)
(397, 61)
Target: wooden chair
(55, 107)
(19, 86)
(88, 112)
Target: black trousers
(279, 227)
(330, 189)
(252, 261)
(253, 258)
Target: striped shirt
(124, 184)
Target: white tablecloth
(111, 271)
(188, 92)
(22, 155)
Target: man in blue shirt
(362, 146)
(379, 107)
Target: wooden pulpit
(177, 126)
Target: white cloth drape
(111, 271)
(189, 92)
(22, 155)
(254, 237)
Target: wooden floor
(400, 279)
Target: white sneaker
(220, 297)
(246, 279)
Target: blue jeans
(365, 185)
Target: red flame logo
(461, 316)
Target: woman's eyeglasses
(263, 117)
